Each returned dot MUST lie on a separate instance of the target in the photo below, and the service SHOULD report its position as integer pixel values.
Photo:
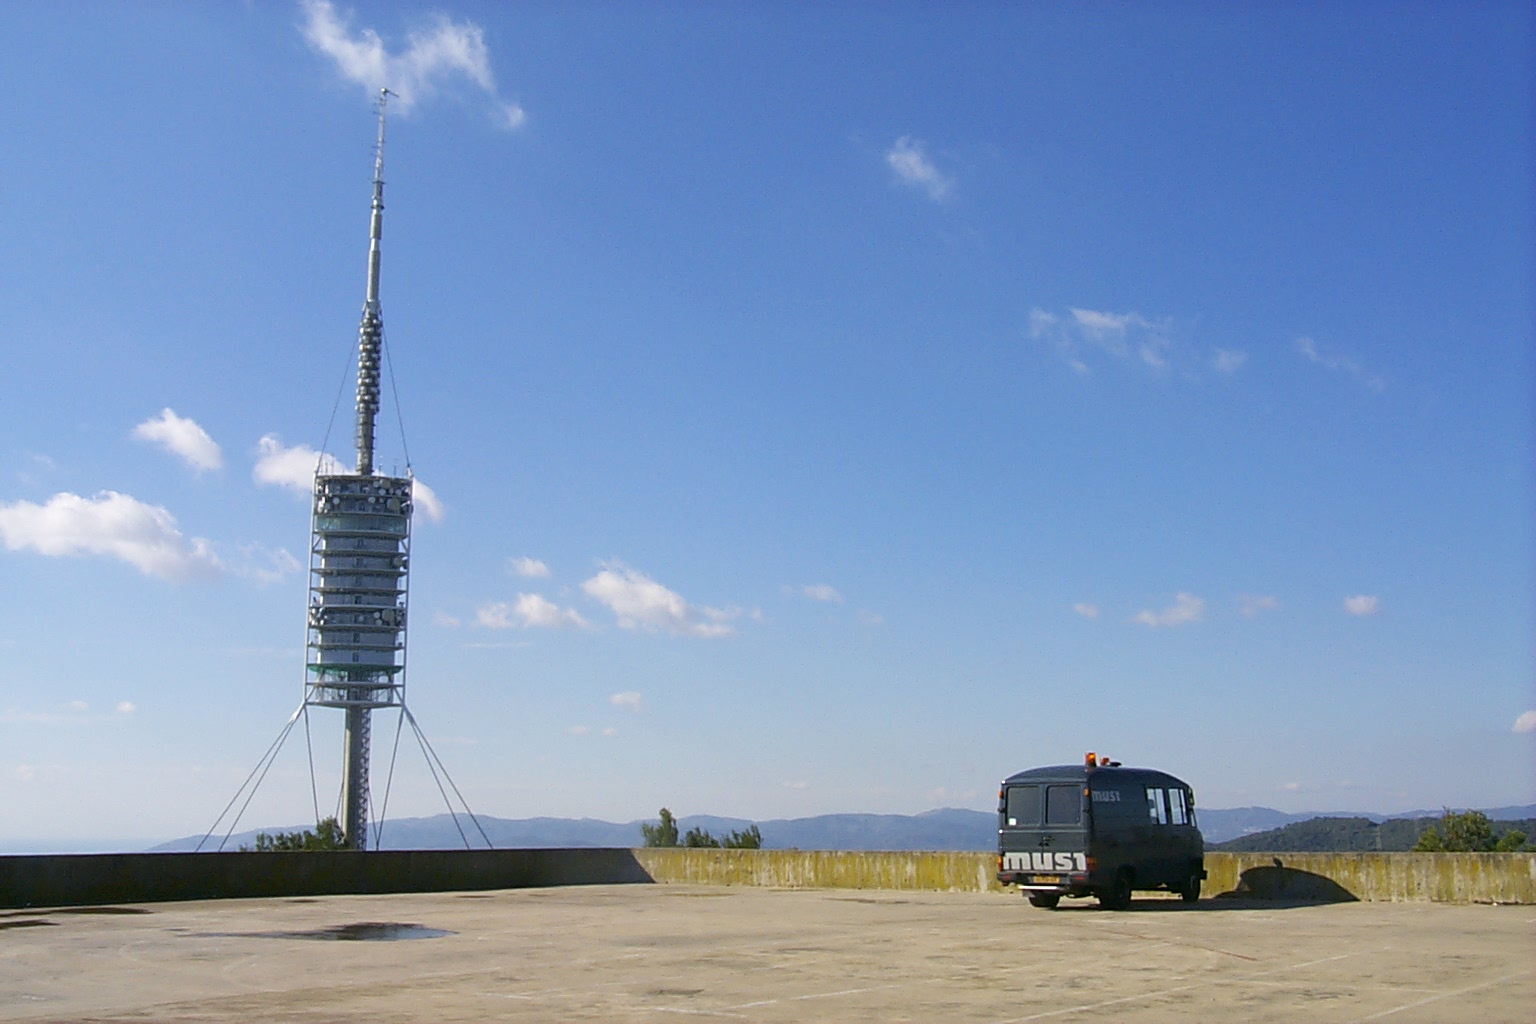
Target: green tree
(327, 835)
(752, 839)
(1510, 841)
(1459, 832)
(698, 838)
(663, 833)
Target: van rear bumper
(1044, 882)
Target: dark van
(1098, 829)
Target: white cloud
(444, 50)
(529, 611)
(911, 164)
(1228, 361)
(445, 620)
(610, 731)
(182, 437)
(1362, 604)
(25, 773)
(1526, 722)
(1339, 364)
(1251, 606)
(294, 468)
(1186, 608)
(870, 618)
(79, 705)
(529, 568)
(821, 592)
(577, 730)
(144, 536)
(797, 784)
(628, 699)
(639, 602)
(1087, 611)
(126, 707)
(1085, 334)
(427, 500)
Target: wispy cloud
(183, 437)
(1362, 605)
(528, 611)
(427, 501)
(870, 618)
(446, 621)
(267, 565)
(822, 592)
(529, 568)
(1526, 722)
(112, 524)
(629, 699)
(291, 467)
(640, 603)
(1251, 606)
(1226, 361)
(1339, 364)
(442, 51)
(577, 730)
(126, 707)
(1186, 609)
(910, 161)
(1081, 336)
(1087, 611)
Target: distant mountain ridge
(947, 828)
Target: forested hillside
(1345, 835)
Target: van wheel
(1044, 900)
(1118, 896)
(1191, 891)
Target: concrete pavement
(673, 952)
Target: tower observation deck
(359, 563)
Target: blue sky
(828, 408)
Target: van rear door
(1043, 838)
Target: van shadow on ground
(1272, 887)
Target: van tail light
(1093, 865)
(999, 863)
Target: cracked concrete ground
(671, 952)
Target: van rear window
(1024, 806)
(1063, 805)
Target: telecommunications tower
(359, 564)
(359, 585)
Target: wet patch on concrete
(29, 922)
(105, 911)
(363, 931)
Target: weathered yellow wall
(1441, 877)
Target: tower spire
(371, 331)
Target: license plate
(1045, 879)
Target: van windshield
(1063, 805)
(1023, 806)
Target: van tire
(1191, 891)
(1043, 900)
(1118, 895)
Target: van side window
(1155, 809)
(1024, 806)
(1176, 815)
(1063, 805)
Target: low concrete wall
(824, 869)
(1441, 877)
(83, 879)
